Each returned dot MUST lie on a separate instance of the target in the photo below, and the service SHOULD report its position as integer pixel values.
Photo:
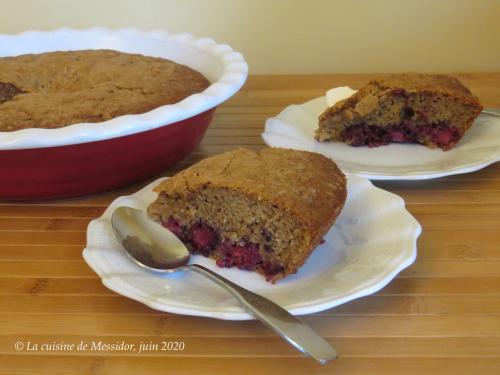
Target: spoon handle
(277, 318)
(491, 112)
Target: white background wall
(300, 36)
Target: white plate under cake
(295, 128)
(372, 240)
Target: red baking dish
(80, 159)
(85, 168)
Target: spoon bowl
(148, 244)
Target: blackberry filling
(443, 135)
(271, 269)
(244, 255)
(203, 239)
(366, 135)
(8, 91)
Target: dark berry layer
(202, 237)
(205, 240)
(442, 135)
(8, 91)
(244, 255)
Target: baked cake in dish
(264, 211)
(431, 109)
(56, 89)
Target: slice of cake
(432, 109)
(264, 211)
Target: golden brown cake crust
(425, 82)
(307, 184)
(56, 89)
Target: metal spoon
(155, 248)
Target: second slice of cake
(264, 211)
(431, 109)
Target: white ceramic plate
(373, 240)
(294, 128)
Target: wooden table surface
(440, 316)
